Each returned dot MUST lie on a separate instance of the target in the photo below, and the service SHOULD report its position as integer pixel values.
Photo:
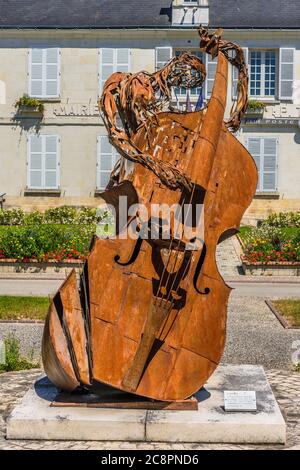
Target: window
(43, 162)
(264, 152)
(107, 157)
(111, 61)
(44, 73)
(262, 69)
(194, 92)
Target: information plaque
(240, 401)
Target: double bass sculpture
(149, 317)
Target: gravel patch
(255, 336)
(29, 336)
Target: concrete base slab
(34, 418)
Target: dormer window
(190, 12)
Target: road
(37, 287)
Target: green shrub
(56, 215)
(45, 242)
(284, 219)
(30, 102)
(60, 215)
(33, 218)
(86, 216)
(255, 104)
(11, 217)
(13, 359)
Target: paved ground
(229, 264)
(269, 344)
(228, 258)
(286, 386)
(255, 336)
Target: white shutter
(211, 67)
(36, 72)
(269, 164)
(112, 60)
(122, 60)
(162, 56)
(286, 73)
(235, 74)
(51, 161)
(264, 152)
(43, 162)
(52, 72)
(35, 162)
(44, 72)
(107, 157)
(254, 147)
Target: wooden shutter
(162, 56)
(35, 162)
(52, 72)
(106, 65)
(36, 69)
(264, 152)
(122, 60)
(286, 73)
(269, 164)
(235, 74)
(211, 67)
(51, 161)
(107, 157)
(43, 162)
(254, 147)
(44, 72)
(112, 60)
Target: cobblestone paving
(13, 385)
(228, 260)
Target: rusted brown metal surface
(151, 315)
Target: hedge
(45, 242)
(56, 215)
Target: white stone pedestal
(34, 418)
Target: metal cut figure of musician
(149, 317)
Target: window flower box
(29, 106)
(255, 108)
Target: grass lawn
(289, 309)
(23, 308)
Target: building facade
(62, 53)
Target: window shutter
(52, 72)
(107, 157)
(235, 74)
(269, 164)
(36, 72)
(106, 65)
(51, 169)
(162, 56)
(254, 147)
(35, 162)
(112, 60)
(123, 57)
(43, 162)
(211, 67)
(286, 73)
(44, 72)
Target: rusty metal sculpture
(150, 315)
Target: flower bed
(270, 250)
(34, 241)
(45, 243)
